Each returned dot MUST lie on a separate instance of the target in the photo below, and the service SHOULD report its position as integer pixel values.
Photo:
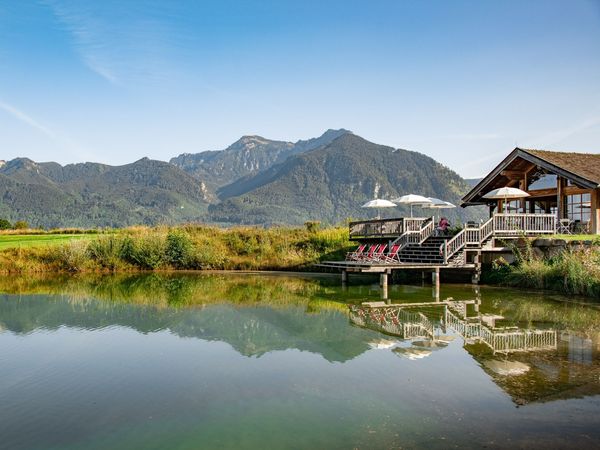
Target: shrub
(146, 251)
(72, 257)
(179, 250)
(106, 251)
(312, 226)
(5, 224)
(20, 225)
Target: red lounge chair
(393, 254)
(378, 254)
(369, 254)
(355, 255)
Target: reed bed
(186, 247)
(574, 272)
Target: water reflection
(530, 364)
(533, 347)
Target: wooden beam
(513, 174)
(572, 190)
(549, 192)
(595, 212)
(560, 184)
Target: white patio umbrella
(412, 199)
(506, 193)
(379, 203)
(436, 203)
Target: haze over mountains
(253, 181)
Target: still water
(281, 361)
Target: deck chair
(392, 254)
(353, 256)
(379, 253)
(564, 226)
(367, 254)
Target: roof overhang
(471, 198)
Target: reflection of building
(530, 365)
(403, 321)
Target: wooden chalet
(566, 185)
(564, 198)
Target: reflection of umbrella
(411, 353)
(381, 344)
(506, 368)
(506, 193)
(412, 199)
(431, 345)
(379, 203)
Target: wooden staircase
(428, 252)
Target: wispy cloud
(547, 140)
(65, 143)
(27, 119)
(119, 41)
(556, 137)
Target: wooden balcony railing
(515, 224)
(384, 228)
(500, 225)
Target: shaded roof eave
(524, 154)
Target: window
(514, 207)
(579, 207)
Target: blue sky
(461, 81)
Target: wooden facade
(564, 184)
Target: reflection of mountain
(251, 330)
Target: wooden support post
(477, 273)
(383, 282)
(383, 279)
(595, 211)
(559, 197)
(435, 281)
(344, 276)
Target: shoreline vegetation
(185, 247)
(571, 271)
(200, 247)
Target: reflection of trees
(169, 289)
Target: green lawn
(35, 240)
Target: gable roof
(581, 168)
(586, 165)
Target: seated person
(442, 228)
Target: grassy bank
(190, 247)
(570, 272)
(36, 240)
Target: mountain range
(253, 181)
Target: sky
(461, 81)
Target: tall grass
(574, 272)
(184, 247)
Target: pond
(230, 360)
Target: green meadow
(36, 240)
